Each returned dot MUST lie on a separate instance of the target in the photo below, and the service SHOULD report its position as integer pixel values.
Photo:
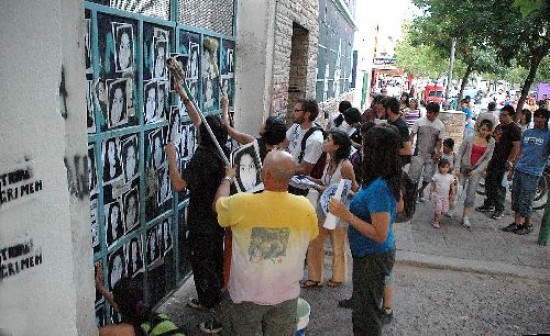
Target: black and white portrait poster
(150, 101)
(156, 141)
(114, 229)
(160, 52)
(100, 97)
(88, 46)
(189, 141)
(193, 64)
(92, 170)
(246, 159)
(94, 223)
(130, 163)
(153, 247)
(183, 61)
(124, 46)
(116, 267)
(210, 94)
(174, 127)
(130, 202)
(164, 191)
(133, 257)
(227, 59)
(90, 115)
(192, 84)
(112, 166)
(167, 238)
(162, 98)
(119, 91)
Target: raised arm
(191, 110)
(178, 183)
(241, 138)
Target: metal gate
(138, 224)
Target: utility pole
(450, 73)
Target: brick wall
(288, 14)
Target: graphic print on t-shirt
(268, 244)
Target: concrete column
(46, 285)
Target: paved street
(451, 281)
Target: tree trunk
(536, 58)
(463, 84)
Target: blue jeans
(523, 193)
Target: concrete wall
(264, 38)
(46, 262)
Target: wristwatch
(230, 179)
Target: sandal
(311, 284)
(334, 284)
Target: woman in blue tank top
(371, 216)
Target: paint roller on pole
(179, 75)
(211, 45)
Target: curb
(469, 265)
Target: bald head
(279, 167)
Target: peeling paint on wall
(77, 176)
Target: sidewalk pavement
(483, 248)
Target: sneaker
(421, 197)
(194, 303)
(485, 208)
(497, 214)
(448, 214)
(211, 327)
(510, 228)
(387, 315)
(436, 225)
(466, 222)
(345, 303)
(524, 229)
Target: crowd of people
(253, 280)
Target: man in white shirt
(305, 113)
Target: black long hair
(380, 157)
(274, 131)
(219, 131)
(341, 139)
(130, 300)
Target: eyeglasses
(296, 110)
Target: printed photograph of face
(153, 252)
(156, 141)
(118, 108)
(130, 200)
(174, 135)
(113, 221)
(193, 65)
(164, 192)
(161, 100)
(150, 96)
(134, 258)
(92, 170)
(188, 141)
(130, 161)
(229, 60)
(160, 53)
(94, 225)
(116, 267)
(124, 46)
(167, 235)
(87, 46)
(100, 97)
(210, 94)
(112, 169)
(192, 85)
(90, 116)
(248, 169)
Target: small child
(448, 153)
(442, 190)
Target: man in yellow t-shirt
(271, 234)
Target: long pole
(450, 72)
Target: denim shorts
(524, 188)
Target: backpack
(319, 167)
(159, 325)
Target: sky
(389, 15)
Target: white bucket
(303, 317)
